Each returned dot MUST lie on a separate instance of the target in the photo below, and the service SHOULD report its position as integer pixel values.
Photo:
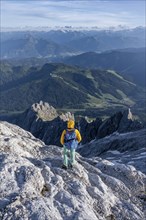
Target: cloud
(76, 13)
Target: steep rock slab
(121, 122)
(127, 148)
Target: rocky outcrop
(121, 122)
(130, 146)
(43, 121)
(33, 185)
(89, 130)
(110, 125)
(44, 111)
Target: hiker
(69, 139)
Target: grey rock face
(44, 111)
(33, 185)
(43, 121)
(110, 125)
(128, 124)
(121, 122)
(127, 148)
(88, 130)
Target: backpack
(70, 141)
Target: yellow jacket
(78, 136)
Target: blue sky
(102, 13)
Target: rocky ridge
(127, 148)
(43, 121)
(33, 185)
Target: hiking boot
(71, 166)
(64, 167)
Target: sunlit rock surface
(128, 148)
(34, 186)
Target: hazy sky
(102, 13)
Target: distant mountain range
(60, 43)
(128, 62)
(68, 87)
(32, 47)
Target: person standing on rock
(69, 139)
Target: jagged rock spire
(44, 111)
(67, 116)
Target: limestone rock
(44, 111)
(89, 130)
(110, 125)
(121, 122)
(67, 116)
(43, 121)
(127, 148)
(33, 185)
